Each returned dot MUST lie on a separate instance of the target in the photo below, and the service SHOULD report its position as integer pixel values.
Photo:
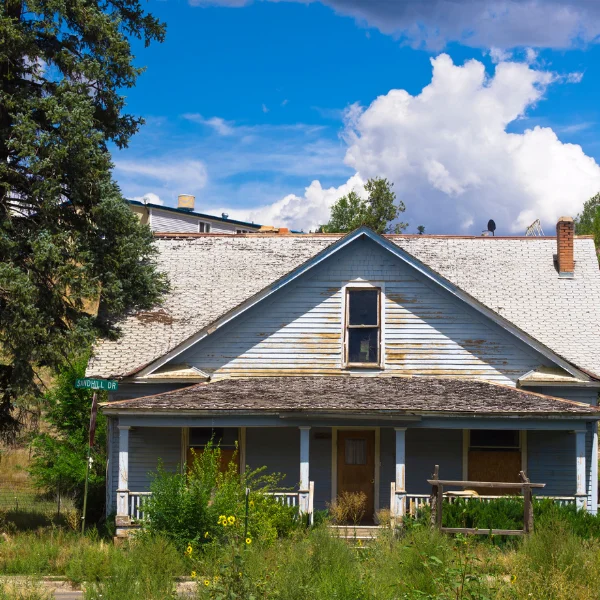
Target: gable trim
(402, 254)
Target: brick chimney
(565, 231)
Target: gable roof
(515, 278)
(355, 395)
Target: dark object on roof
(492, 226)
(358, 395)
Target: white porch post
(594, 468)
(123, 489)
(581, 493)
(399, 508)
(304, 469)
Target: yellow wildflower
(221, 519)
(189, 550)
(513, 578)
(248, 540)
(193, 574)
(251, 502)
(206, 535)
(231, 520)
(207, 582)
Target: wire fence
(21, 496)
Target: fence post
(527, 504)
(434, 497)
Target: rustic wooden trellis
(437, 497)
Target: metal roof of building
(515, 277)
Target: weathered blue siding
(147, 445)
(278, 449)
(426, 448)
(589, 396)
(551, 460)
(320, 465)
(426, 330)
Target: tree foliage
(60, 452)
(588, 221)
(376, 211)
(67, 238)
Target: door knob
(372, 481)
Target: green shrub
(206, 506)
(507, 513)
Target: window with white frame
(363, 326)
(203, 227)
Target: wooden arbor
(437, 496)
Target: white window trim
(360, 284)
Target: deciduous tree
(376, 211)
(588, 221)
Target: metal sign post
(92, 384)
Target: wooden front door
(227, 455)
(356, 466)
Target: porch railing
(413, 503)
(136, 505)
(303, 499)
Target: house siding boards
(147, 447)
(426, 331)
(277, 449)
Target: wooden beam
(482, 531)
(488, 484)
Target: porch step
(360, 532)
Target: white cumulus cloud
(303, 213)
(149, 198)
(451, 158)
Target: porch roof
(356, 395)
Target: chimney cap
(565, 219)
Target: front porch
(390, 463)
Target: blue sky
(271, 110)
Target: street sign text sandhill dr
(97, 384)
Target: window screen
(356, 451)
(363, 326)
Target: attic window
(203, 227)
(362, 327)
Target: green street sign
(97, 384)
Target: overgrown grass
(554, 563)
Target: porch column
(123, 489)
(594, 468)
(581, 493)
(399, 506)
(304, 469)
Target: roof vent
(565, 233)
(225, 215)
(186, 202)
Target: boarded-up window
(363, 326)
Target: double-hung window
(363, 326)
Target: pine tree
(68, 240)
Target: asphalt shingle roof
(356, 395)
(515, 277)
